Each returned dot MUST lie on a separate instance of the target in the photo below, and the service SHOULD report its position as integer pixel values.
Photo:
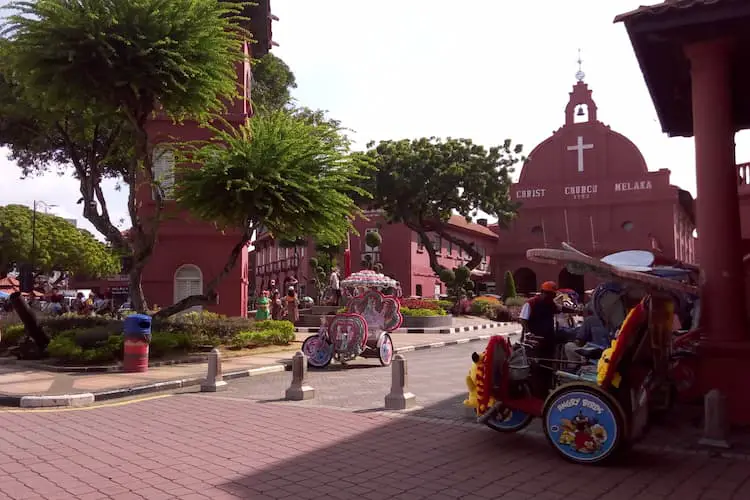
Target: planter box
(427, 321)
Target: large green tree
(294, 177)
(51, 244)
(123, 59)
(422, 182)
(273, 82)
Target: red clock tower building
(189, 253)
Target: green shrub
(163, 343)
(64, 348)
(261, 338)
(445, 304)
(515, 301)
(484, 306)
(53, 325)
(204, 327)
(269, 324)
(12, 334)
(510, 286)
(501, 313)
(422, 312)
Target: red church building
(401, 254)
(404, 257)
(589, 186)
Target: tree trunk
(428, 246)
(135, 289)
(142, 236)
(30, 322)
(441, 228)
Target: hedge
(96, 340)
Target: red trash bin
(135, 356)
(137, 335)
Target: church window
(627, 226)
(537, 230)
(438, 244)
(188, 280)
(163, 160)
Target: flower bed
(77, 340)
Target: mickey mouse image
(584, 440)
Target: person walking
(292, 305)
(276, 306)
(335, 284)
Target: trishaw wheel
(584, 424)
(509, 420)
(319, 352)
(385, 352)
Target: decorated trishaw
(365, 326)
(591, 413)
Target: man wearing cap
(538, 319)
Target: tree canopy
(422, 182)
(273, 82)
(125, 59)
(58, 245)
(294, 177)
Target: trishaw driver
(538, 319)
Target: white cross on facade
(580, 147)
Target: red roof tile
(664, 7)
(8, 282)
(459, 221)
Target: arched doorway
(566, 279)
(525, 280)
(188, 280)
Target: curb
(434, 345)
(455, 329)
(89, 398)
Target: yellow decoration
(475, 384)
(471, 382)
(603, 366)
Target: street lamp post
(28, 275)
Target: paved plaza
(246, 444)
(19, 379)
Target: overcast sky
(483, 69)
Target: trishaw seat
(590, 352)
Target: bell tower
(581, 107)
(189, 253)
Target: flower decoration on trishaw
(593, 410)
(363, 329)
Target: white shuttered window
(188, 280)
(163, 159)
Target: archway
(525, 280)
(566, 279)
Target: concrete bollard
(214, 378)
(715, 425)
(298, 390)
(399, 398)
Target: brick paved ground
(216, 447)
(437, 377)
